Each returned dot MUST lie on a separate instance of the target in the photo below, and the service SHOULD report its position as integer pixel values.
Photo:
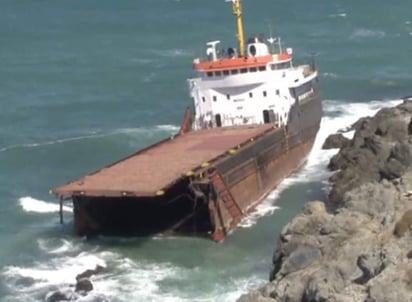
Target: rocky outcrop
(335, 141)
(358, 245)
(82, 287)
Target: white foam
(330, 75)
(61, 247)
(173, 53)
(96, 134)
(143, 280)
(341, 15)
(58, 273)
(29, 204)
(122, 278)
(168, 128)
(339, 116)
(361, 33)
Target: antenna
(280, 45)
(237, 11)
(271, 40)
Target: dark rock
(403, 225)
(361, 251)
(374, 199)
(371, 265)
(255, 296)
(335, 141)
(90, 272)
(399, 160)
(323, 284)
(84, 285)
(300, 258)
(57, 296)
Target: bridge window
(243, 70)
(283, 65)
(253, 69)
(234, 71)
(209, 73)
(262, 68)
(226, 72)
(218, 73)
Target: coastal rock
(335, 141)
(355, 246)
(58, 296)
(90, 272)
(255, 296)
(83, 285)
(380, 149)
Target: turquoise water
(84, 83)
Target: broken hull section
(211, 202)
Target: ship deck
(156, 168)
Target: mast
(237, 11)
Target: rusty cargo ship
(254, 119)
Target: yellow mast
(237, 11)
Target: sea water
(84, 83)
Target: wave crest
(29, 204)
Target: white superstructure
(247, 86)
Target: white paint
(241, 99)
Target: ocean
(86, 82)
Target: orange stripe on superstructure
(236, 63)
(284, 56)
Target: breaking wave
(29, 204)
(170, 129)
(338, 15)
(338, 116)
(172, 53)
(140, 279)
(330, 75)
(50, 246)
(122, 279)
(361, 33)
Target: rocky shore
(80, 289)
(356, 246)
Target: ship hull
(214, 199)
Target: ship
(253, 121)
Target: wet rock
(255, 296)
(404, 224)
(323, 285)
(335, 141)
(84, 285)
(371, 265)
(58, 296)
(90, 272)
(300, 258)
(358, 248)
